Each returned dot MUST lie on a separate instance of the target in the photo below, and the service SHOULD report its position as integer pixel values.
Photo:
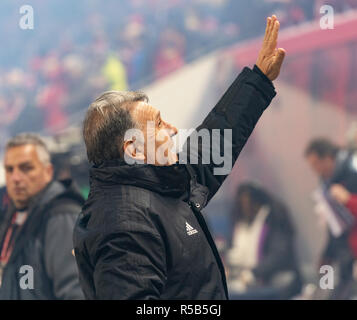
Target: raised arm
(235, 115)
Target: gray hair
(106, 122)
(32, 139)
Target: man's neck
(21, 208)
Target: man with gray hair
(36, 260)
(141, 234)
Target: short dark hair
(105, 124)
(322, 147)
(256, 193)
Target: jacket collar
(173, 180)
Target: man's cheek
(150, 146)
(32, 184)
(162, 136)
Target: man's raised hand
(270, 58)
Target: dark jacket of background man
(141, 234)
(42, 246)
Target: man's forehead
(20, 154)
(142, 108)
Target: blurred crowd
(78, 50)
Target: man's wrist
(257, 70)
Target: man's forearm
(238, 110)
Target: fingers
(280, 56)
(273, 39)
(267, 29)
(271, 27)
(272, 24)
(275, 32)
(272, 30)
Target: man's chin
(18, 195)
(20, 203)
(171, 159)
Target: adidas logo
(190, 230)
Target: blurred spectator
(352, 137)
(261, 260)
(170, 55)
(114, 73)
(349, 200)
(50, 98)
(336, 166)
(36, 226)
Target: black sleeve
(238, 111)
(130, 262)
(60, 263)
(335, 247)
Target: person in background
(352, 136)
(335, 165)
(261, 260)
(36, 227)
(349, 200)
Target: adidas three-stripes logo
(190, 230)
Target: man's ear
(49, 171)
(132, 154)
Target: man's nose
(171, 129)
(16, 175)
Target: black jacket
(4, 202)
(141, 234)
(45, 244)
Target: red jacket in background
(352, 206)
